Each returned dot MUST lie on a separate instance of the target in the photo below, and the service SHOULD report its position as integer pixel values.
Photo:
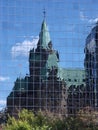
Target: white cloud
(2, 78)
(82, 16)
(24, 47)
(2, 104)
(95, 20)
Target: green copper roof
(52, 60)
(72, 76)
(21, 84)
(44, 35)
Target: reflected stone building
(76, 89)
(91, 66)
(45, 88)
(42, 89)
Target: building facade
(47, 85)
(42, 88)
(91, 66)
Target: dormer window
(75, 80)
(69, 80)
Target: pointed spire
(44, 34)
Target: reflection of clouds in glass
(91, 46)
(2, 104)
(2, 78)
(95, 20)
(82, 16)
(24, 47)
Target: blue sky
(69, 23)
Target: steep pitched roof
(74, 76)
(44, 35)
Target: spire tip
(44, 13)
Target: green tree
(86, 119)
(26, 121)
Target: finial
(44, 13)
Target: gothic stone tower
(44, 80)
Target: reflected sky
(69, 23)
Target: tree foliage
(86, 119)
(26, 121)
